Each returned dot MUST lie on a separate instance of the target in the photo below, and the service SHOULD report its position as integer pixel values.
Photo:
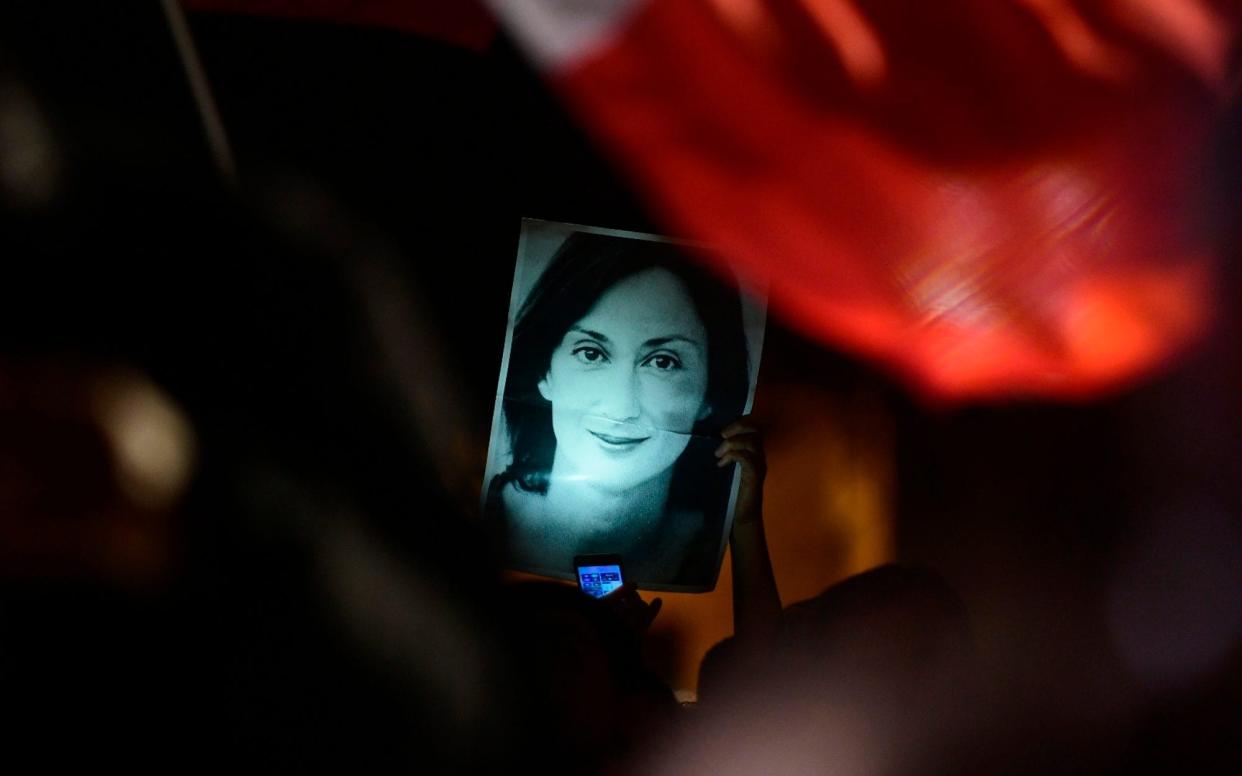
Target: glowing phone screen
(599, 581)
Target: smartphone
(598, 575)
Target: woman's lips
(615, 441)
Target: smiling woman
(625, 361)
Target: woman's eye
(663, 362)
(589, 355)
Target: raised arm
(756, 602)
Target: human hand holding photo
(743, 445)
(756, 602)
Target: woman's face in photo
(628, 382)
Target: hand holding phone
(598, 575)
(631, 610)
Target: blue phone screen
(599, 581)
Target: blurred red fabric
(992, 198)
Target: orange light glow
(828, 513)
(1114, 324)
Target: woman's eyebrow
(656, 342)
(589, 333)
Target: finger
(740, 426)
(654, 608)
(622, 595)
(747, 460)
(749, 443)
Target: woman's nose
(620, 399)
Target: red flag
(991, 197)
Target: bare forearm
(756, 602)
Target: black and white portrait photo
(624, 359)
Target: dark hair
(583, 269)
